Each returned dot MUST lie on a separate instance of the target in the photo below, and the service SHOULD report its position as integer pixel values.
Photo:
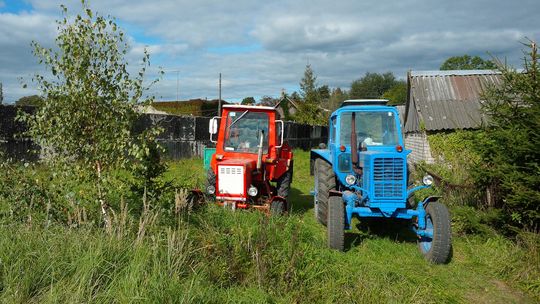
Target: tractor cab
(363, 172)
(251, 165)
(366, 138)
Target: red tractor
(252, 166)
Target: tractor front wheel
(336, 223)
(210, 181)
(325, 180)
(437, 248)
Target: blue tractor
(363, 172)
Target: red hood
(238, 162)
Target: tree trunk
(103, 204)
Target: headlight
(350, 179)
(252, 191)
(211, 189)
(427, 180)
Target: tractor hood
(238, 162)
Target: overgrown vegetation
(84, 124)
(216, 255)
(508, 147)
(159, 246)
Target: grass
(214, 255)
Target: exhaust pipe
(259, 153)
(354, 146)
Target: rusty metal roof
(447, 100)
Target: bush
(508, 147)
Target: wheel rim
(425, 242)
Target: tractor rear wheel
(284, 185)
(336, 223)
(277, 208)
(325, 180)
(437, 249)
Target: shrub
(508, 146)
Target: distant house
(195, 107)
(442, 101)
(286, 107)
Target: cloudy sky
(262, 47)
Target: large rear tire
(283, 185)
(277, 208)
(325, 180)
(437, 249)
(336, 223)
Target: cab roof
(244, 107)
(364, 102)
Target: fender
(430, 199)
(318, 153)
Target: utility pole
(1, 93)
(219, 101)
(177, 84)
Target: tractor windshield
(372, 128)
(242, 133)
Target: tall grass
(215, 255)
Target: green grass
(214, 255)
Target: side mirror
(281, 131)
(213, 128)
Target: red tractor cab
(252, 166)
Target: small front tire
(437, 249)
(336, 223)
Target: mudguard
(318, 153)
(429, 199)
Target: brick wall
(418, 143)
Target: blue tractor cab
(362, 172)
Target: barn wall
(418, 143)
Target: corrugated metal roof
(448, 99)
(454, 73)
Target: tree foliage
(467, 62)
(336, 98)
(268, 101)
(372, 85)
(90, 102)
(397, 95)
(308, 83)
(510, 158)
(310, 108)
(248, 101)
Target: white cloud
(341, 39)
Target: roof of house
(285, 97)
(447, 100)
(195, 107)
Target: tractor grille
(230, 180)
(388, 178)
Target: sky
(262, 47)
